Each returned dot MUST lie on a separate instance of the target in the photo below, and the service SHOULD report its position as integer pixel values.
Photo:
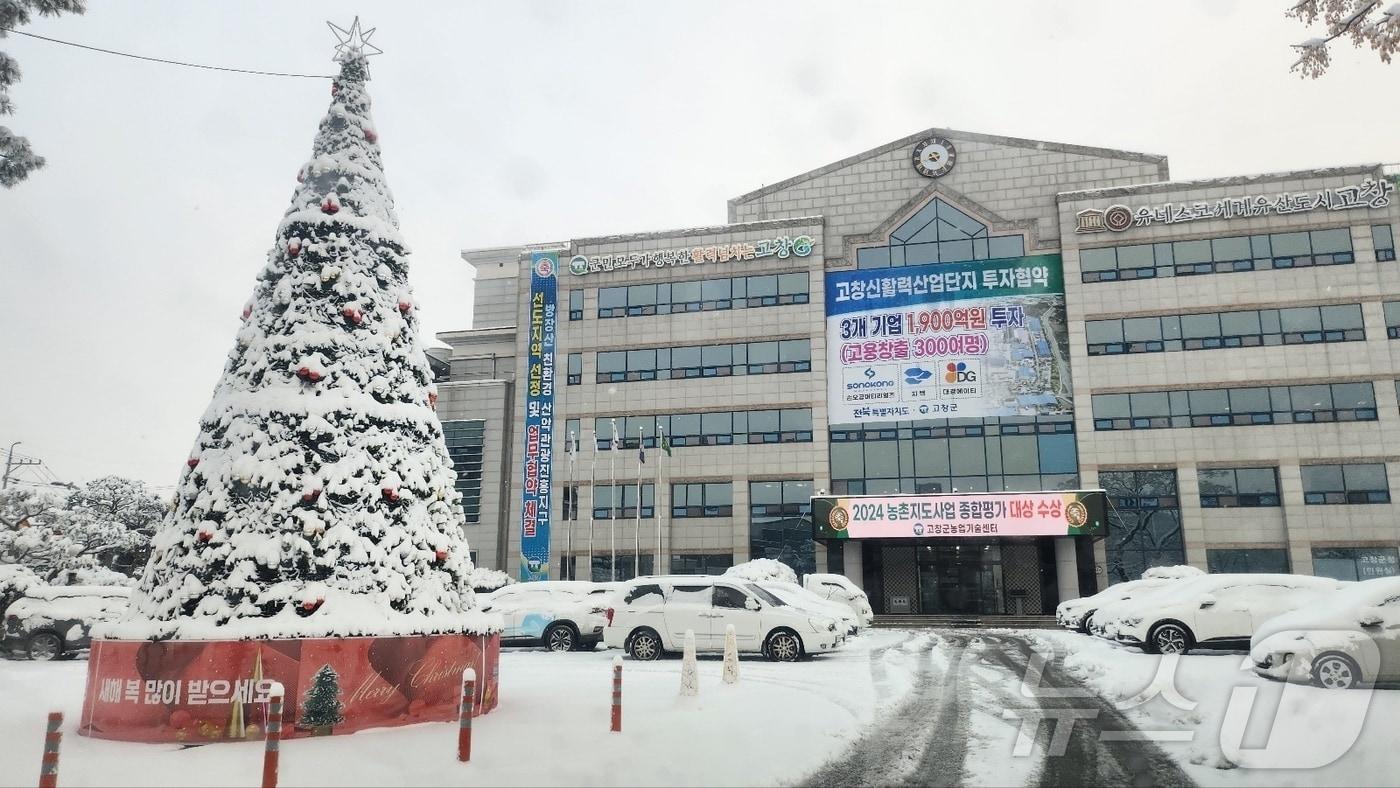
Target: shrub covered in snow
(484, 580)
(1179, 572)
(54, 537)
(763, 569)
(319, 498)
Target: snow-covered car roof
(1339, 610)
(68, 592)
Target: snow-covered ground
(1226, 725)
(777, 724)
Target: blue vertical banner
(537, 491)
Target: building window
(1391, 309)
(1345, 484)
(939, 233)
(569, 501)
(605, 503)
(702, 499)
(1225, 488)
(705, 295)
(1248, 560)
(1152, 410)
(1217, 255)
(721, 428)
(575, 369)
(1383, 237)
(701, 563)
(1355, 563)
(1212, 330)
(705, 361)
(780, 523)
(603, 570)
(575, 304)
(1144, 522)
(962, 455)
(466, 445)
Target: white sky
(124, 263)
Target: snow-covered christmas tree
(319, 498)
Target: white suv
(839, 588)
(650, 616)
(561, 615)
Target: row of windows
(1210, 330)
(1151, 410)
(1352, 483)
(699, 361)
(702, 295)
(1338, 563)
(721, 428)
(466, 441)
(1217, 255)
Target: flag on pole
(615, 444)
(641, 449)
(666, 444)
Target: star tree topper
(354, 42)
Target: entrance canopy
(1042, 513)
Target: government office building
(914, 366)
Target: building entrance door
(962, 577)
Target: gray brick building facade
(1232, 362)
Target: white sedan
(1347, 639)
(1076, 614)
(1212, 611)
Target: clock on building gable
(934, 157)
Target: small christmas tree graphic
(321, 706)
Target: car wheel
(783, 646)
(1084, 622)
(1170, 639)
(1336, 671)
(45, 646)
(645, 645)
(560, 637)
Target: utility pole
(11, 462)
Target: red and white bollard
(617, 695)
(464, 721)
(48, 767)
(273, 736)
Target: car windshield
(765, 595)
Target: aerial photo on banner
(974, 339)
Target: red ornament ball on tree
(193, 461)
(205, 536)
(311, 495)
(390, 494)
(371, 136)
(330, 206)
(310, 605)
(301, 176)
(441, 556)
(247, 312)
(404, 307)
(309, 375)
(294, 248)
(353, 315)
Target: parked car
(652, 614)
(50, 622)
(839, 588)
(1215, 610)
(1344, 640)
(799, 597)
(14, 580)
(561, 615)
(1076, 614)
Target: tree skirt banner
(972, 339)
(1058, 513)
(202, 691)
(537, 491)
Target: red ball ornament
(404, 307)
(441, 556)
(247, 312)
(353, 315)
(193, 461)
(390, 494)
(330, 206)
(294, 248)
(311, 495)
(205, 536)
(432, 400)
(371, 136)
(309, 375)
(335, 88)
(311, 605)
(301, 176)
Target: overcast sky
(124, 263)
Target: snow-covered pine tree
(319, 498)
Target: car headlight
(822, 624)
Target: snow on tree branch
(1365, 22)
(17, 159)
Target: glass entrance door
(963, 577)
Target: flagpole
(572, 494)
(637, 530)
(617, 510)
(592, 501)
(656, 497)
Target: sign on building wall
(781, 247)
(1067, 513)
(539, 419)
(981, 338)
